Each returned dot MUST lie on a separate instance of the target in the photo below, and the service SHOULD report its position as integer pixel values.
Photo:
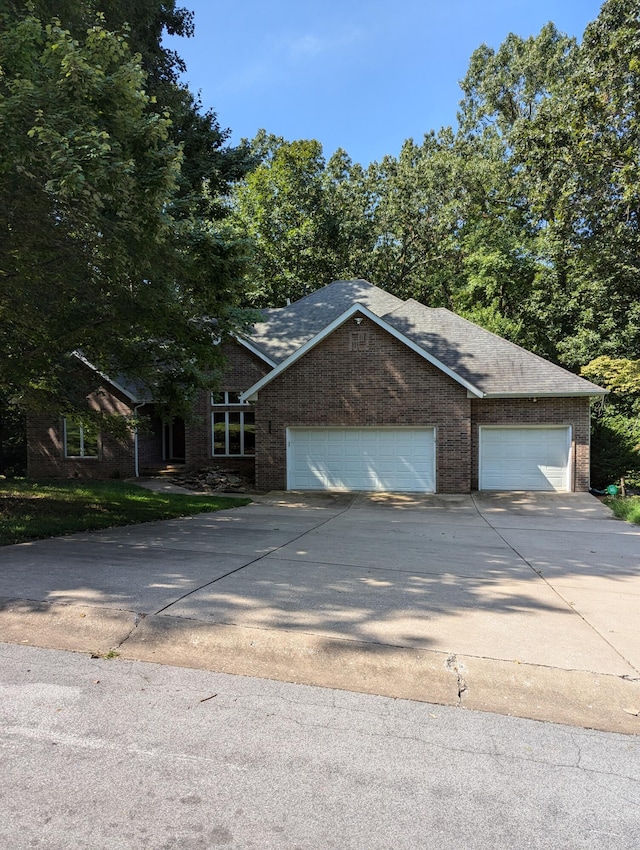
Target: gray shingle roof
(491, 364)
(285, 329)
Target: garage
(521, 458)
(372, 459)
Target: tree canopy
(112, 182)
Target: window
(226, 398)
(233, 432)
(80, 440)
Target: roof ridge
(411, 301)
(327, 286)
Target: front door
(174, 440)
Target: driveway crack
(136, 622)
(457, 668)
(552, 588)
(256, 560)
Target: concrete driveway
(526, 604)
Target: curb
(574, 697)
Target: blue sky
(363, 75)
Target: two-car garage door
(379, 459)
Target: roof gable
(285, 329)
(252, 392)
(135, 392)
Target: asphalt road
(125, 755)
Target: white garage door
(525, 459)
(361, 459)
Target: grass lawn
(31, 510)
(627, 507)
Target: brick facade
(375, 380)
(358, 376)
(244, 370)
(46, 451)
(380, 383)
(116, 456)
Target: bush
(615, 449)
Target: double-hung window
(80, 440)
(232, 425)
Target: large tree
(580, 155)
(282, 211)
(110, 199)
(567, 118)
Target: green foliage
(13, 440)
(621, 377)
(33, 510)
(615, 441)
(615, 449)
(110, 206)
(282, 211)
(579, 165)
(626, 508)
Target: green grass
(627, 507)
(31, 510)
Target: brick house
(351, 388)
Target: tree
(109, 201)
(616, 425)
(583, 148)
(415, 221)
(281, 210)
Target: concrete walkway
(526, 604)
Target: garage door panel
(525, 458)
(362, 459)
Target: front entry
(174, 441)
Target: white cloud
(310, 46)
(273, 62)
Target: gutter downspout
(136, 459)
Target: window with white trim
(226, 398)
(233, 432)
(80, 440)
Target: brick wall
(381, 382)
(244, 369)
(545, 411)
(45, 445)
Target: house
(351, 388)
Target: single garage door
(393, 459)
(525, 459)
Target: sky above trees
(361, 76)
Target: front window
(233, 432)
(80, 440)
(220, 399)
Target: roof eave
(255, 350)
(596, 393)
(114, 383)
